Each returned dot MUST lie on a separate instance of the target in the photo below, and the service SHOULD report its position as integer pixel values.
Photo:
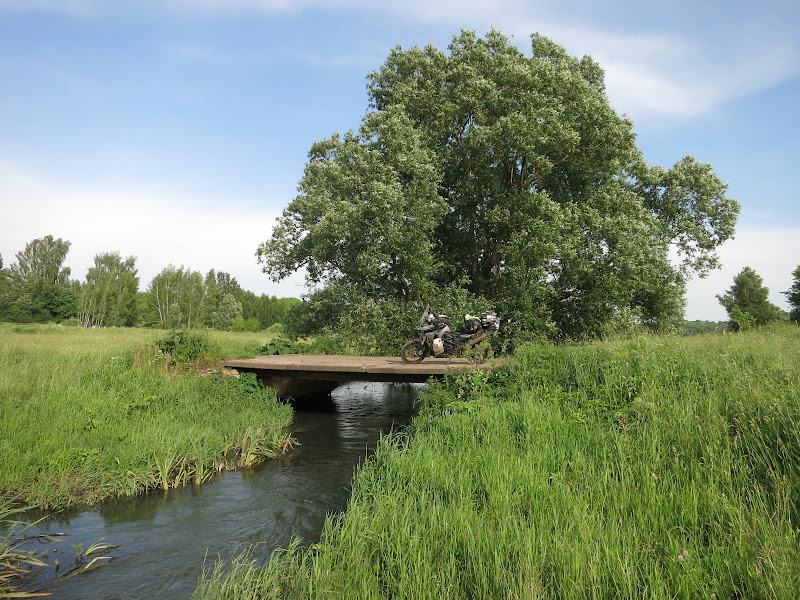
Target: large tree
(39, 288)
(792, 295)
(178, 298)
(227, 312)
(746, 301)
(108, 298)
(511, 177)
(366, 213)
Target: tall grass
(80, 424)
(648, 468)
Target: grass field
(647, 468)
(94, 413)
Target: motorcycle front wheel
(413, 351)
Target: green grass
(647, 468)
(90, 414)
(241, 344)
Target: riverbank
(90, 414)
(633, 469)
(171, 536)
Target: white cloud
(157, 229)
(663, 70)
(673, 74)
(74, 7)
(677, 67)
(774, 253)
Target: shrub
(188, 346)
(276, 346)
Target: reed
(642, 468)
(16, 559)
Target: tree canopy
(792, 295)
(109, 295)
(746, 301)
(506, 176)
(37, 286)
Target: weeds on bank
(643, 468)
(186, 462)
(90, 414)
(86, 420)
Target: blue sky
(177, 130)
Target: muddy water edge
(163, 539)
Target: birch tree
(180, 298)
(108, 298)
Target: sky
(176, 131)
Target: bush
(276, 346)
(336, 317)
(276, 328)
(188, 346)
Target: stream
(163, 539)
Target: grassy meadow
(90, 414)
(644, 468)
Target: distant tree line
(37, 288)
(700, 326)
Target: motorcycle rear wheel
(413, 351)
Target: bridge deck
(301, 375)
(354, 368)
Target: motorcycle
(435, 335)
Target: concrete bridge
(309, 376)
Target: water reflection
(164, 538)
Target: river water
(163, 539)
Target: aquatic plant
(16, 562)
(87, 559)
